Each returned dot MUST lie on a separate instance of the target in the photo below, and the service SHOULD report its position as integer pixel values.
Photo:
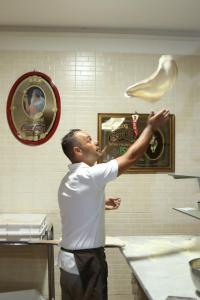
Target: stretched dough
(112, 124)
(158, 83)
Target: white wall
(91, 72)
(120, 43)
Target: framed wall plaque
(33, 108)
(122, 130)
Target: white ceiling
(161, 16)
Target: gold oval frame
(36, 125)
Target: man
(81, 200)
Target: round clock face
(33, 108)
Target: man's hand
(112, 203)
(158, 119)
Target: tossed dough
(155, 86)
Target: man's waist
(98, 249)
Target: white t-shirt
(82, 208)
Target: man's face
(89, 147)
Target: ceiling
(137, 16)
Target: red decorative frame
(9, 103)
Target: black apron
(93, 271)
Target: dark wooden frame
(165, 161)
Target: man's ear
(77, 150)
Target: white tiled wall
(92, 82)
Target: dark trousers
(91, 283)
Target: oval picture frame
(33, 108)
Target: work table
(160, 264)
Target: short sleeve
(104, 172)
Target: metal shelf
(190, 211)
(181, 176)
(49, 234)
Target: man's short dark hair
(68, 142)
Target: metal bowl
(195, 272)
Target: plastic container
(22, 226)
